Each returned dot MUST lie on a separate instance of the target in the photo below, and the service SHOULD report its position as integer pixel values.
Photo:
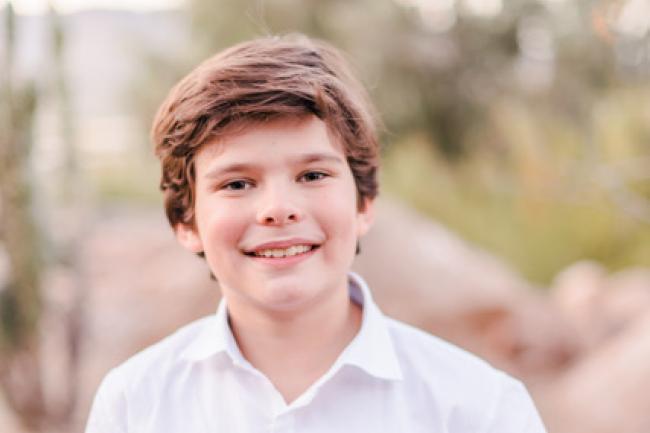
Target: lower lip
(282, 262)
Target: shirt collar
(215, 338)
(371, 350)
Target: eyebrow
(318, 157)
(302, 159)
(233, 168)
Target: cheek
(221, 227)
(338, 215)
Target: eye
(237, 185)
(312, 176)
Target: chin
(286, 297)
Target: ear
(189, 237)
(365, 217)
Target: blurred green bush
(523, 125)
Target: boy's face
(276, 214)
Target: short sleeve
(514, 410)
(109, 411)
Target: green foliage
(538, 201)
(525, 130)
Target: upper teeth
(280, 252)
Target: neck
(294, 349)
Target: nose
(278, 208)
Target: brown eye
(237, 185)
(312, 176)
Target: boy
(269, 161)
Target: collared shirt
(390, 378)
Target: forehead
(266, 141)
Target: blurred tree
(62, 405)
(437, 67)
(522, 103)
(20, 296)
(22, 307)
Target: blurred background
(514, 215)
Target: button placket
(282, 423)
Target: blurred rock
(425, 275)
(583, 351)
(598, 305)
(576, 293)
(607, 391)
(142, 286)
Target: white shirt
(390, 378)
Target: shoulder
(432, 356)
(154, 364)
(134, 384)
(473, 395)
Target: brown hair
(256, 81)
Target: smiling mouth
(276, 253)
